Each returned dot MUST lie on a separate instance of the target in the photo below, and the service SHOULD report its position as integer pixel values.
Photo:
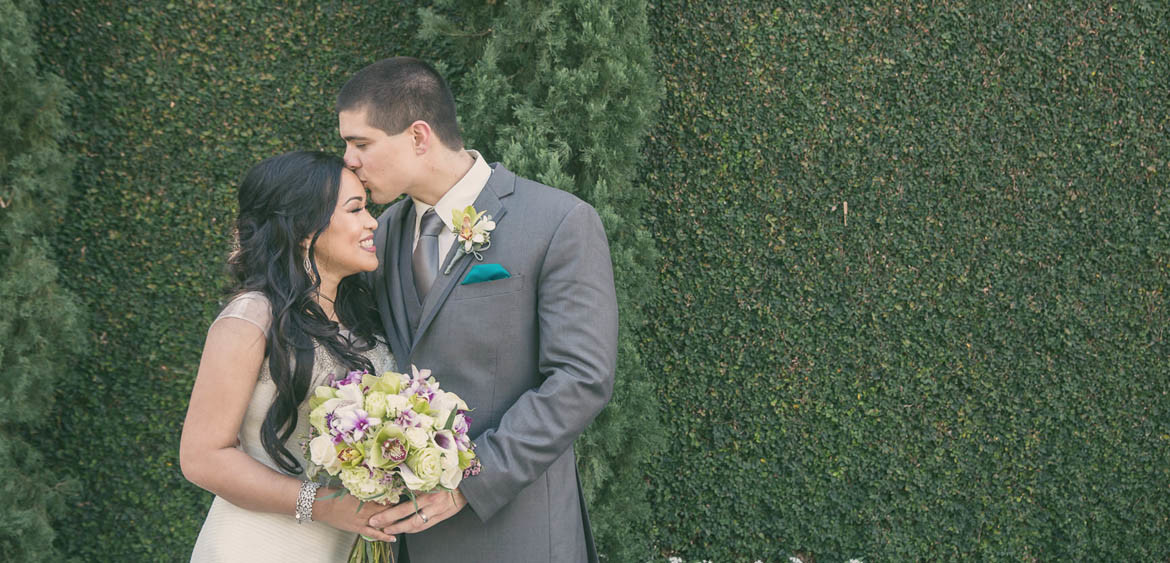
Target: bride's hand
(342, 513)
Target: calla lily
(448, 402)
(451, 477)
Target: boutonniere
(473, 233)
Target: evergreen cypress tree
(562, 92)
(38, 319)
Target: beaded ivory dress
(231, 533)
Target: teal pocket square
(485, 272)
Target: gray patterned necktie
(425, 261)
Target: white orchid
(473, 233)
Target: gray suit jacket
(533, 355)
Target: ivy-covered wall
(912, 301)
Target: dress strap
(252, 306)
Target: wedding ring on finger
(423, 516)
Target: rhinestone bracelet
(305, 502)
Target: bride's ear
(305, 253)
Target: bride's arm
(232, 356)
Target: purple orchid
(406, 419)
(462, 423)
(352, 424)
(353, 377)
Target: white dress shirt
(461, 195)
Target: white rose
(417, 437)
(410, 479)
(424, 464)
(323, 453)
(376, 404)
(395, 404)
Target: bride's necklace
(331, 311)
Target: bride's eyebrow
(360, 199)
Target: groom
(525, 332)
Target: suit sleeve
(577, 315)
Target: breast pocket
(492, 288)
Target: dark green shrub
(562, 92)
(39, 320)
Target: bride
(298, 316)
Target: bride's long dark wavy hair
(285, 200)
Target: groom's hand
(433, 508)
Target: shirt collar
(461, 195)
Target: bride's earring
(308, 265)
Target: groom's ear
(422, 136)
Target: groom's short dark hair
(398, 91)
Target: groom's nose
(351, 161)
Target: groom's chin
(377, 200)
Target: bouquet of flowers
(387, 437)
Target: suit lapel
(501, 184)
(388, 257)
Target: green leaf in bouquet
(339, 493)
